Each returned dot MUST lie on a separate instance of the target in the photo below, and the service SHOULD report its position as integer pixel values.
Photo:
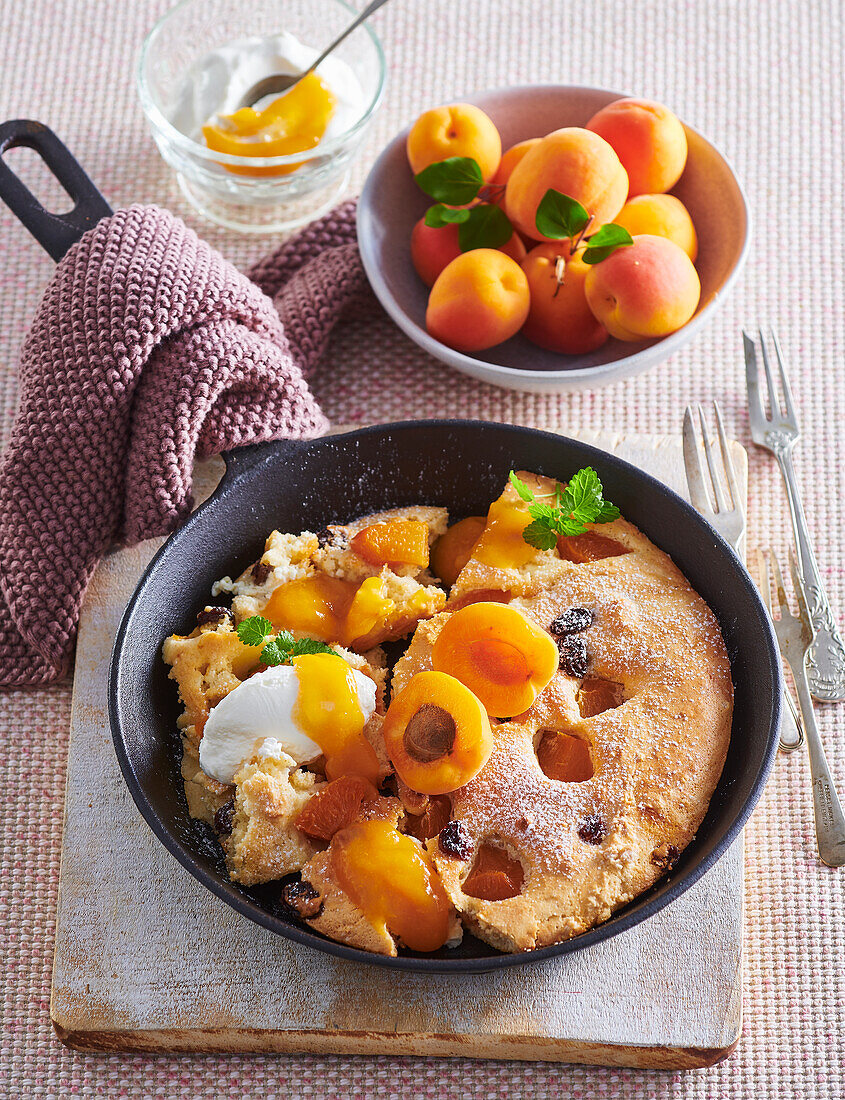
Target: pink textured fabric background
(761, 78)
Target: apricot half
(399, 542)
(454, 548)
(499, 654)
(437, 734)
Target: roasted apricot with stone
(398, 542)
(499, 654)
(454, 548)
(437, 734)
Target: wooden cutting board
(147, 959)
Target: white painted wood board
(147, 959)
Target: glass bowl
(307, 183)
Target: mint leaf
(487, 226)
(275, 653)
(582, 496)
(609, 512)
(438, 216)
(539, 535)
(542, 511)
(559, 215)
(522, 489)
(605, 242)
(305, 646)
(254, 630)
(456, 180)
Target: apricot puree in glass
(327, 709)
(329, 608)
(293, 123)
(393, 881)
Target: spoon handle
(365, 14)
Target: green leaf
(254, 630)
(605, 242)
(277, 651)
(539, 535)
(487, 226)
(609, 512)
(305, 646)
(560, 216)
(455, 180)
(544, 512)
(582, 497)
(522, 489)
(438, 216)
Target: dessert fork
(727, 518)
(795, 638)
(779, 433)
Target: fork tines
(780, 417)
(717, 484)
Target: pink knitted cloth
(148, 350)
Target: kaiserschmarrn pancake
(522, 774)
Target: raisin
(224, 817)
(665, 856)
(261, 571)
(329, 537)
(453, 840)
(573, 655)
(572, 621)
(303, 899)
(592, 829)
(214, 615)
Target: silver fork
(778, 433)
(727, 517)
(795, 637)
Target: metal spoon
(279, 83)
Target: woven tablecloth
(763, 79)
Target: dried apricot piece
(565, 757)
(454, 548)
(335, 806)
(499, 654)
(397, 542)
(494, 875)
(590, 546)
(437, 733)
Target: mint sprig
(573, 506)
(281, 649)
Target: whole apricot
(433, 247)
(649, 140)
(459, 130)
(559, 318)
(660, 216)
(480, 299)
(510, 159)
(575, 162)
(648, 289)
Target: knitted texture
(148, 350)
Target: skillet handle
(56, 233)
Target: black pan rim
(239, 470)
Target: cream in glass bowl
(287, 160)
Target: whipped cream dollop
(216, 82)
(256, 720)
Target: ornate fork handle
(826, 656)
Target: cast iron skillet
(305, 485)
(461, 465)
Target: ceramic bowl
(391, 203)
